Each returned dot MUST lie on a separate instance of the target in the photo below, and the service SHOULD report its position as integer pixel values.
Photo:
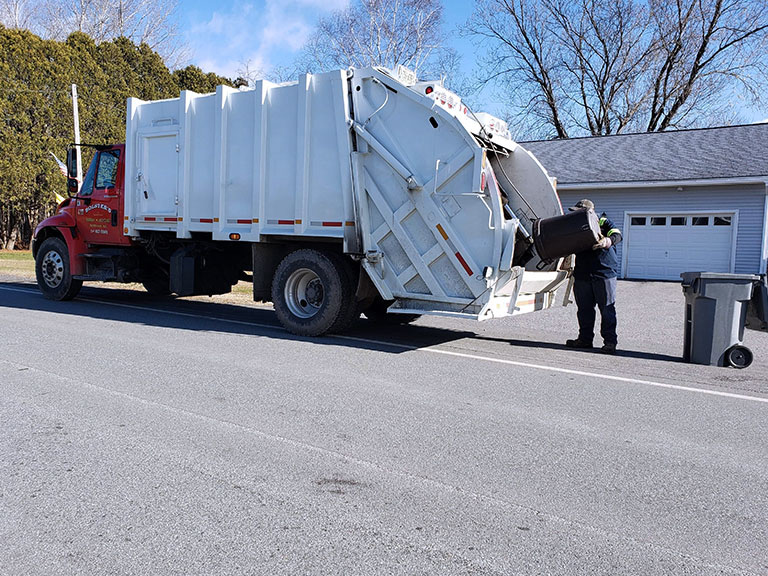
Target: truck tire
(53, 273)
(377, 312)
(310, 291)
(350, 310)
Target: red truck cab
(99, 205)
(67, 246)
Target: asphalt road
(151, 436)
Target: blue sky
(225, 34)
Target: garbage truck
(345, 192)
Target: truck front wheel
(53, 273)
(310, 292)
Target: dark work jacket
(600, 263)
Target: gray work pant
(600, 292)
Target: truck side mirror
(72, 164)
(72, 186)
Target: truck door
(99, 202)
(158, 174)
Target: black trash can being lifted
(715, 314)
(571, 233)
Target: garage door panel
(657, 252)
(656, 272)
(662, 252)
(722, 253)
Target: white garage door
(661, 246)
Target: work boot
(608, 348)
(578, 344)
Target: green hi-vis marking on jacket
(612, 230)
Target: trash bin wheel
(738, 357)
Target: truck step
(100, 266)
(99, 276)
(102, 255)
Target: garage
(661, 246)
(685, 200)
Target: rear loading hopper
(438, 225)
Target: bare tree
(603, 50)
(524, 57)
(705, 48)
(248, 74)
(153, 22)
(603, 67)
(19, 13)
(376, 32)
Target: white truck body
(402, 175)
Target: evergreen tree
(36, 111)
(193, 78)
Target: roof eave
(664, 183)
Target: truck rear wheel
(53, 273)
(311, 292)
(350, 310)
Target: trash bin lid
(688, 277)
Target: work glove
(604, 243)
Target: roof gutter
(763, 180)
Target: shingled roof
(700, 154)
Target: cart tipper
(345, 192)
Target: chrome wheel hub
(53, 269)
(304, 293)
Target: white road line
(568, 371)
(432, 350)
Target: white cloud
(263, 33)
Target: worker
(595, 285)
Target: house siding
(747, 200)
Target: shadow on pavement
(139, 307)
(555, 346)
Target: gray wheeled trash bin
(715, 313)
